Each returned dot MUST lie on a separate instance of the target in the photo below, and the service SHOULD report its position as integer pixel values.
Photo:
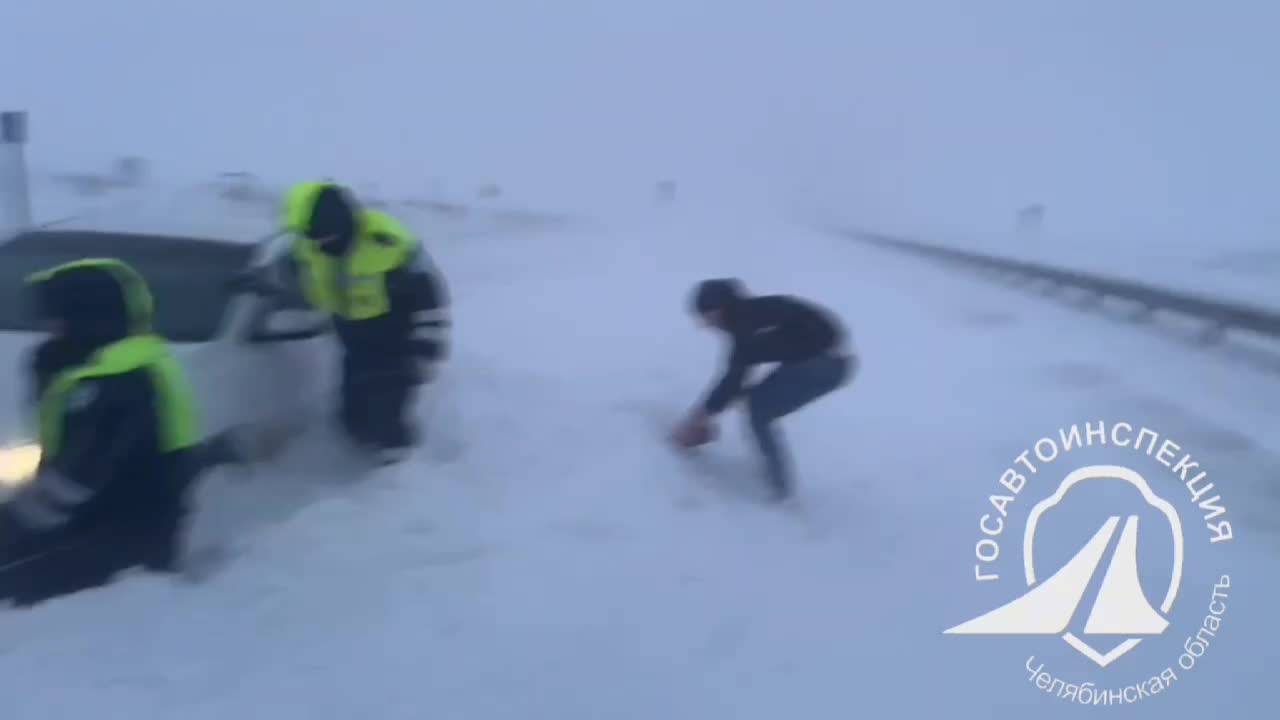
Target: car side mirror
(286, 323)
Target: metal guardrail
(1220, 314)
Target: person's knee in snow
(397, 429)
(377, 412)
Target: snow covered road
(565, 565)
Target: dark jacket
(414, 329)
(416, 326)
(771, 329)
(107, 472)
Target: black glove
(425, 372)
(425, 357)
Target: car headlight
(18, 464)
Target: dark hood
(333, 214)
(92, 304)
(717, 294)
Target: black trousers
(375, 404)
(782, 392)
(48, 566)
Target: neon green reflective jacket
(117, 428)
(355, 286)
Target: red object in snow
(695, 435)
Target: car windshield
(188, 277)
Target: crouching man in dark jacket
(388, 302)
(806, 341)
(118, 437)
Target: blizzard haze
(1139, 119)
(543, 555)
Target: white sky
(1143, 116)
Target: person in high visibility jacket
(388, 302)
(119, 440)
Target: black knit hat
(717, 294)
(333, 215)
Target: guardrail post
(15, 190)
(1143, 313)
(1030, 224)
(1213, 333)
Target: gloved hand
(694, 431)
(425, 357)
(425, 371)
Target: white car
(251, 359)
